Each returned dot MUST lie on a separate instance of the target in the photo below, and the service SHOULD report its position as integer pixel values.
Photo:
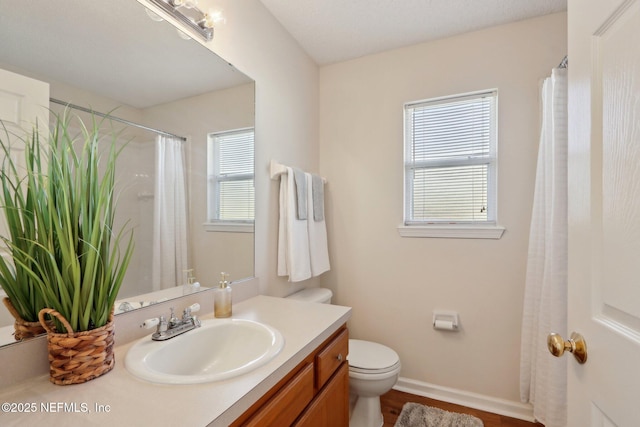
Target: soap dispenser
(191, 286)
(222, 298)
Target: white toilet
(373, 370)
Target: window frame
(214, 223)
(451, 228)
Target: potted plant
(66, 255)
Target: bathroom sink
(220, 349)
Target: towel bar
(278, 169)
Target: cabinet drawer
(288, 402)
(331, 357)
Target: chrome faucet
(167, 329)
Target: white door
(604, 210)
(22, 101)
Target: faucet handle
(150, 323)
(191, 309)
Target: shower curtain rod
(114, 118)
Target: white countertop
(118, 398)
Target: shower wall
(135, 176)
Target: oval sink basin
(218, 350)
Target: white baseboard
(522, 411)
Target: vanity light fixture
(187, 12)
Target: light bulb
(214, 17)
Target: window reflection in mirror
(230, 178)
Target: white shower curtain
(170, 215)
(542, 376)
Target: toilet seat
(366, 357)
(375, 371)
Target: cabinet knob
(340, 357)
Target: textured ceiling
(337, 30)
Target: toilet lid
(371, 355)
(321, 295)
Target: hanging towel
(318, 197)
(293, 236)
(300, 194)
(318, 250)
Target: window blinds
(450, 156)
(232, 189)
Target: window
(230, 186)
(450, 163)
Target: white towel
(318, 250)
(293, 236)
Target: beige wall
(394, 283)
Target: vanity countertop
(119, 398)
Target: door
(22, 101)
(604, 210)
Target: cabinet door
(287, 403)
(330, 408)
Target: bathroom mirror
(116, 58)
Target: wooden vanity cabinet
(314, 394)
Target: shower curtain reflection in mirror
(170, 215)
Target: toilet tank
(321, 295)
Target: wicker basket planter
(23, 328)
(78, 357)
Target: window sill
(452, 231)
(228, 227)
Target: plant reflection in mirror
(59, 210)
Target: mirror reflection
(186, 174)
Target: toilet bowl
(373, 370)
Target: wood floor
(393, 401)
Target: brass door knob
(576, 345)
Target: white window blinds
(230, 165)
(450, 160)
